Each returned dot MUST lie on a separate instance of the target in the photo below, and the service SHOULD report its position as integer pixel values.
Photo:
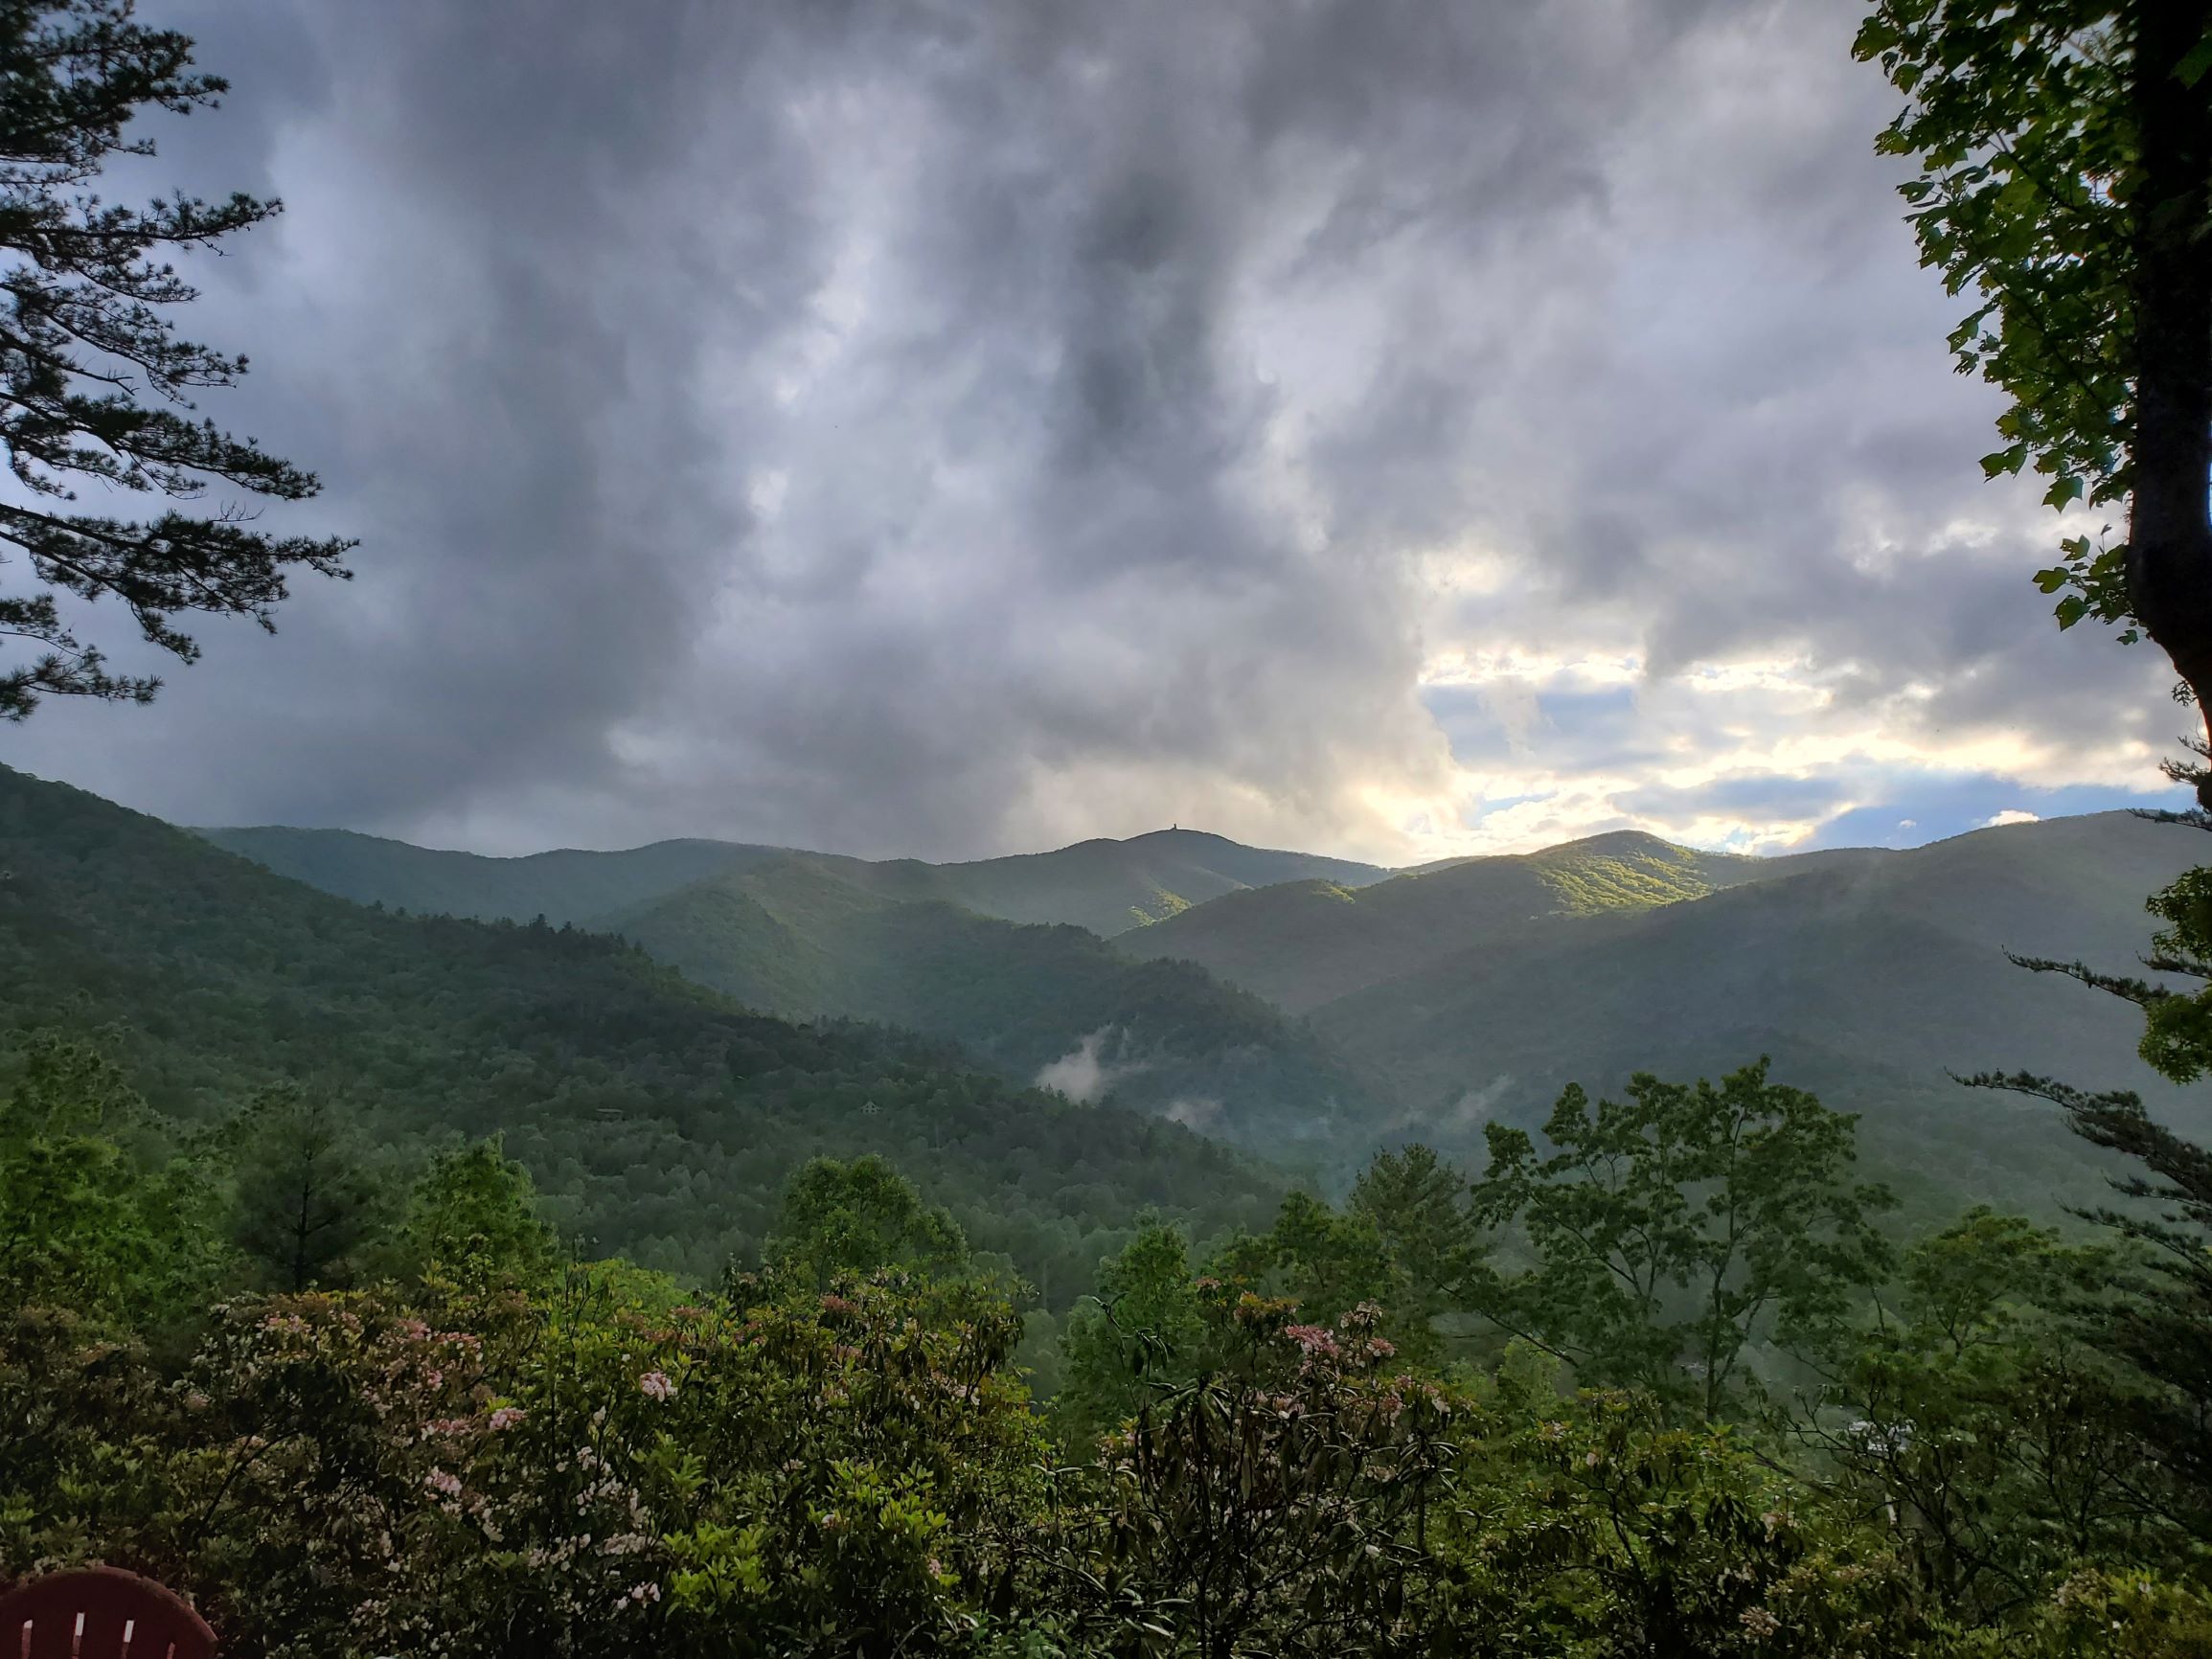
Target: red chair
(99, 1613)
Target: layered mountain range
(1310, 1008)
(1106, 887)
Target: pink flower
(442, 1481)
(507, 1416)
(655, 1385)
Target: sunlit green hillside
(1304, 944)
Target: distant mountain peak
(1611, 840)
(1177, 832)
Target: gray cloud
(942, 428)
(1764, 794)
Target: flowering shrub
(1591, 1527)
(600, 1468)
(2111, 1615)
(1282, 1507)
(339, 1473)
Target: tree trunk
(2170, 523)
(301, 1227)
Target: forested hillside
(1105, 886)
(1441, 999)
(794, 936)
(864, 423)
(1112, 886)
(660, 1118)
(1870, 977)
(1304, 944)
(566, 886)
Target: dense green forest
(1479, 989)
(808, 937)
(1312, 1021)
(1659, 1386)
(397, 1284)
(794, 938)
(659, 1118)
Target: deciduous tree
(857, 1217)
(1675, 1228)
(2065, 186)
(473, 1216)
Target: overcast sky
(946, 427)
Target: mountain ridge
(1332, 1017)
(1105, 885)
(1874, 980)
(796, 935)
(1305, 944)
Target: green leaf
(2071, 610)
(2062, 491)
(2191, 69)
(2054, 579)
(1876, 36)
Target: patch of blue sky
(1597, 728)
(1492, 805)
(1569, 709)
(1919, 808)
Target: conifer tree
(306, 1200)
(97, 390)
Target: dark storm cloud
(932, 427)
